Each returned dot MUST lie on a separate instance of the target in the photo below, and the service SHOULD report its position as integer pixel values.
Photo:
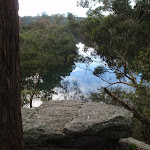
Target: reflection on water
(69, 90)
(75, 82)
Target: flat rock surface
(75, 124)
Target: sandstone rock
(75, 124)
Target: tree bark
(11, 134)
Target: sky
(34, 7)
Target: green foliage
(99, 70)
(122, 40)
(84, 29)
(132, 147)
(44, 48)
(27, 20)
(26, 95)
(71, 20)
(100, 96)
(144, 60)
(140, 131)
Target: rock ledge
(75, 124)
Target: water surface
(77, 81)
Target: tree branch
(127, 64)
(136, 114)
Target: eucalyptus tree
(120, 40)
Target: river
(74, 82)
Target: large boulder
(74, 124)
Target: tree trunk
(11, 134)
(34, 91)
